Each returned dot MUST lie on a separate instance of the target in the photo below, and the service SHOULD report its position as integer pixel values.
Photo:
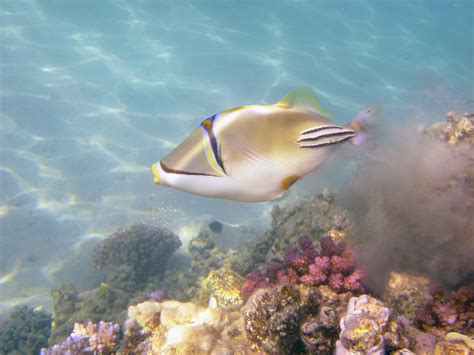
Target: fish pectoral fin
(303, 98)
(288, 181)
(324, 135)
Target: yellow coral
(458, 128)
(186, 328)
(336, 235)
(146, 314)
(454, 344)
(225, 286)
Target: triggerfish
(255, 153)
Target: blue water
(93, 92)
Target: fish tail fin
(363, 125)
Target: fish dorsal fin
(303, 98)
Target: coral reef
(207, 257)
(418, 341)
(134, 259)
(65, 304)
(458, 133)
(457, 128)
(225, 286)
(133, 255)
(173, 327)
(366, 328)
(25, 331)
(320, 328)
(448, 311)
(272, 319)
(405, 293)
(316, 217)
(99, 338)
(454, 343)
(294, 319)
(95, 305)
(333, 265)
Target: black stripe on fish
(326, 135)
(182, 172)
(317, 145)
(320, 128)
(213, 142)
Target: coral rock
(225, 286)
(454, 344)
(90, 338)
(333, 265)
(173, 327)
(448, 311)
(457, 128)
(315, 217)
(364, 326)
(206, 257)
(272, 319)
(320, 328)
(406, 293)
(131, 256)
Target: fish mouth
(156, 174)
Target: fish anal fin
(302, 98)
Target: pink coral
(452, 311)
(336, 281)
(333, 266)
(353, 281)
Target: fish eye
(207, 123)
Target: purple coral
(334, 265)
(89, 338)
(156, 296)
(450, 311)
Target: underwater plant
(333, 265)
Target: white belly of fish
(254, 187)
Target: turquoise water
(93, 92)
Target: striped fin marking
(212, 146)
(327, 135)
(324, 135)
(323, 144)
(320, 128)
